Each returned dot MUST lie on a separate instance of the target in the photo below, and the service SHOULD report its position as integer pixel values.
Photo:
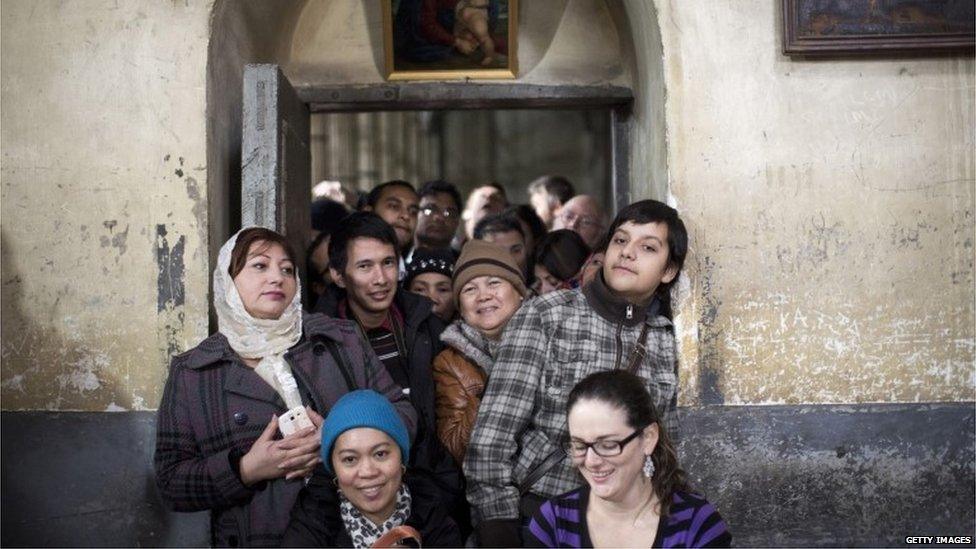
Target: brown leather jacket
(459, 385)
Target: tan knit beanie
(480, 258)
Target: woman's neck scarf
(252, 337)
(363, 531)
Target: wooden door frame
(466, 96)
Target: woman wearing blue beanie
(362, 491)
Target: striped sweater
(693, 522)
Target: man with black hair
(505, 229)
(398, 325)
(548, 193)
(440, 215)
(396, 203)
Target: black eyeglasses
(602, 448)
(446, 213)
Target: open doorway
(465, 147)
(276, 171)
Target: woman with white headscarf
(238, 425)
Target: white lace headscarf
(256, 337)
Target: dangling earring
(648, 467)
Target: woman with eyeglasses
(635, 494)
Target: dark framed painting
(877, 27)
(450, 39)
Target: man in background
(549, 193)
(583, 215)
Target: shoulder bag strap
(540, 470)
(640, 351)
(341, 364)
(396, 535)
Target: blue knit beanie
(363, 408)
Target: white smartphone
(294, 420)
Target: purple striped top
(693, 522)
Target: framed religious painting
(450, 39)
(878, 27)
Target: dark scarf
(614, 308)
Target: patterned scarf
(361, 530)
(467, 340)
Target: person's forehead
(582, 206)
(596, 418)
(365, 247)
(654, 229)
(398, 192)
(361, 438)
(439, 198)
(432, 278)
(504, 237)
(265, 248)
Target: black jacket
(316, 522)
(422, 330)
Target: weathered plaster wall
(560, 42)
(103, 200)
(831, 210)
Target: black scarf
(614, 308)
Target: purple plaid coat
(214, 406)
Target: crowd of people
(455, 373)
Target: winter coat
(460, 373)
(214, 407)
(316, 521)
(550, 344)
(421, 332)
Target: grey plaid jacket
(551, 343)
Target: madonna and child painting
(437, 39)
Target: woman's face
(592, 266)
(637, 260)
(367, 464)
(437, 288)
(487, 302)
(545, 281)
(617, 478)
(267, 282)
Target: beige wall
(830, 202)
(342, 43)
(831, 211)
(103, 147)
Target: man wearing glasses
(583, 215)
(440, 214)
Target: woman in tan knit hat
(488, 289)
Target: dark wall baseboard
(866, 475)
(86, 479)
(780, 475)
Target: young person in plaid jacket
(514, 461)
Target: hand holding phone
(294, 420)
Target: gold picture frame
(437, 40)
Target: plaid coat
(549, 345)
(213, 405)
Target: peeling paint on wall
(171, 271)
(830, 210)
(83, 265)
